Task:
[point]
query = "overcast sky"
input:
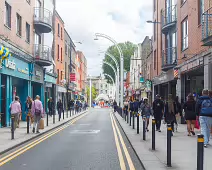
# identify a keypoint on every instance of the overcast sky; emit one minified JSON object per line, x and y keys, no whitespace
{"x":123,"y":20}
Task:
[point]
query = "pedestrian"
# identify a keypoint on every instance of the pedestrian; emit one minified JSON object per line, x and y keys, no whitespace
{"x":190,"y":115}
{"x":50,"y":106}
{"x":136,"y":107}
{"x":158,"y":111}
{"x":126,"y":107}
{"x":178,"y":111}
{"x":131,"y":107}
{"x":28,"y":108}
{"x":37,"y":112}
{"x":115,"y":106}
{"x":71,"y":103}
{"x":204,"y":110}
{"x":169,"y":112}
{"x":210,"y":95}
{"x":59,"y":108}
{"x":146,"y":112}
{"x":15,"y":110}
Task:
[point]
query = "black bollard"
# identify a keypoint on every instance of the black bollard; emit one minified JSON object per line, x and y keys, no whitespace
{"x":12,"y":126}
{"x":144,"y":128}
{"x":47,"y":119}
{"x":169,"y":136}
{"x":200,"y":152}
{"x":138,"y":123}
{"x":130,"y":118}
{"x":59,"y":116}
{"x":133,"y":119}
{"x":153,"y":134}
{"x":27,"y":123}
{"x":53,"y":118}
{"x":127,"y":117}
{"x":64,"y":114}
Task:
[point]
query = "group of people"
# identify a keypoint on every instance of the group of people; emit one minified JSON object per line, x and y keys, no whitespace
{"x":195,"y":110}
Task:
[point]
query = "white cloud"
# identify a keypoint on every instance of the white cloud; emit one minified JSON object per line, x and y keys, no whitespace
{"x":124,"y":20}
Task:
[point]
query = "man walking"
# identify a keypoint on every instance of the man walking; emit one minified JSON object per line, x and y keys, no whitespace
{"x":37,"y":112}
{"x":59,"y":108}
{"x":51,"y":106}
{"x":158,"y":110}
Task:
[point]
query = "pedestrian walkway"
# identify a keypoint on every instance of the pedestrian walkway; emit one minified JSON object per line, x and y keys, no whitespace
{"x":184,"y":148}
{"x":21,"y":132}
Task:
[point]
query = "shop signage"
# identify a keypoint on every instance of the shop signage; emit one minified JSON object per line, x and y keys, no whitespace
{"x":72,"y":77}
{"x":192,"y":65}
{"x":23,"y":71}
{"x":148,"y":85}
{"x":10,"y":64}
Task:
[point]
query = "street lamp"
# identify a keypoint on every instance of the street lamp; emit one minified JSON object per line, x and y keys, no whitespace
{"x":121,"y":62}
{"x":112,"y":81}
{"x":153,"y":22}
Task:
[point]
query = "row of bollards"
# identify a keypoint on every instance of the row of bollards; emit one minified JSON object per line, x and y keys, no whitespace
{"x":28,"y":121}
{"x":130,"y":118}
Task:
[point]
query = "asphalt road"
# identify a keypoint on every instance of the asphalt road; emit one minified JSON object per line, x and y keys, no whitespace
{"x":88,"y":144}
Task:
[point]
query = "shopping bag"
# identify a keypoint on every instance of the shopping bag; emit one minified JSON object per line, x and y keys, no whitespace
{"x":41,"y":126}
{"x":197,"y":126}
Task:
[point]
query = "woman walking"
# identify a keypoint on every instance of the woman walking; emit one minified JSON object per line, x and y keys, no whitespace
{"x":28,"y":107}
{"x":190,"y":115}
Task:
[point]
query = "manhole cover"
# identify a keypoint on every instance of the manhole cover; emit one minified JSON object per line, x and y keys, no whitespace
{"x":85,"y":131}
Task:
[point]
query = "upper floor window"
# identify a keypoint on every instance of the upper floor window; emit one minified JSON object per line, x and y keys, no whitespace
{"x":7,"y":15}
{"x":58,"y":52}
{"x":154,"y":4}
{"x":27,"y":32}
{"x":66,"y":48}
{"x":61,"y":33}
{"x":200,"y":10}
{"x":154,"y":31}
{"x":184,"y":27}
{"x":58,"y":29}
{"x":155,"y":62}
{"x":61,"y":54}
{"x":18,"y":24}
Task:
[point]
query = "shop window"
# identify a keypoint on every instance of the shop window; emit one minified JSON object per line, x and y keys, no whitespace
{"x":27,"y":32}
{"x":7,"y":15}
{"x":184,"y":27}
{"x":18,"y":24}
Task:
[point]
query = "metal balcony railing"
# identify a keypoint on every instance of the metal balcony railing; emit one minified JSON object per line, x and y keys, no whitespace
{"x":42,"y":53}
{"x":169,"y":15}
{"x":169,"y":57}
{"x":43,"y":15}
{"x":207,"y":24}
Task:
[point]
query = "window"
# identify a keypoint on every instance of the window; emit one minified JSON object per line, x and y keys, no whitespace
{"x":154,"y":3}
{"x":66,"y":46}
{"x":184,"y":27}
{"x":65,"y":69}
{"x":7,"y":15}
{"x":155,"y":60}
{"x":18,"y":24}
{"x":58,"y":29}
{"x":154,"y":31}
{"x":27,"y":32}
{"x":200,"y":10}
{"x":37,"y":39}
{"x":58,"y":52}
{"x":58,"y":76}
{"x":61,"y":73}
{"x":61,"y":33}
{"x":61,"y":54}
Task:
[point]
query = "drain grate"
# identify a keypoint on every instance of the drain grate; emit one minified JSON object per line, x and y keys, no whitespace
{"x":85,"y":131}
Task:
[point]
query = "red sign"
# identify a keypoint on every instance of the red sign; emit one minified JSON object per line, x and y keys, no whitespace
{"x":72,"y":77}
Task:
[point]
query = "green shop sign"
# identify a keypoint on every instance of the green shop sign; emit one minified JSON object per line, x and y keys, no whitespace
{"x":50,"y":79}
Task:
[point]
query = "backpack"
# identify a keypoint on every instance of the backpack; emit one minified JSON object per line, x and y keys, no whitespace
{"x":206,"y":108}
{"x":136,"y":105}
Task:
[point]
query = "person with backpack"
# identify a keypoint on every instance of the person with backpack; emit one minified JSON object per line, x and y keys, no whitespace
{"x":204,"y":111}
{"x":37,"y":112}
{"x":158,"y":110}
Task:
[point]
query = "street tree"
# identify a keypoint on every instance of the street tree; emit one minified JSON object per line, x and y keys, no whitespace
{"x":93,"y":92}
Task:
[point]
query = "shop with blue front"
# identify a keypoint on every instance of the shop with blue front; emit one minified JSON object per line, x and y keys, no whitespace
{"x":18,"y":77}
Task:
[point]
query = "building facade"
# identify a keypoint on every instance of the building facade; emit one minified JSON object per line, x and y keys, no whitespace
{"x":181,"y":47}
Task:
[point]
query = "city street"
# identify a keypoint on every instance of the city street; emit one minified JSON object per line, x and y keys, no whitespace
{"x":87,"y":142}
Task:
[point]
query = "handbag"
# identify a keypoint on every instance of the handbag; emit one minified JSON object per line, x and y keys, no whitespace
{"x":197,"y":126}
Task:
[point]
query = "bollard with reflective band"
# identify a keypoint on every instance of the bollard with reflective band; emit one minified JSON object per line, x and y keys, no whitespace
{"x":169,"y":135}
{"x":133,"y":120}
{"x":28,"y":123}
{"x":138,"y":123}
{"x":144,"y":128}
{"x":47,"y":119}
{"x":153,"y":134}
{"x":12,"y":126}
{"x":130,"y":118}
{"x":200,"y":152}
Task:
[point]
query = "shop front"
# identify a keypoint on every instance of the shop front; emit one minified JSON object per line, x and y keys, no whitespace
{"x":61,"y":94}
{"x":15,"y":81}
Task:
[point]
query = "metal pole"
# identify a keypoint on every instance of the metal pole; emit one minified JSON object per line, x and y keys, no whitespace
{"x":47,"y":119}
{"x":153,"y":134}
{"x":130,"y":117}
{"x":122,"y":80}
{"x":138,"y":123}
{"x":133,"y":123}
{"x":200,"y":152}
{"x":12,"y":126}
{"x":27,"y":123}
{"x":144,"y":127}
{"x":169,"y":134}
{"x":90,"y":93}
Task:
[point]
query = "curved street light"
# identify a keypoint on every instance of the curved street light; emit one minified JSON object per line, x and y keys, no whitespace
{"x":117,"y":94}
{"x":112,"y":81}
{"x":121,"y":62}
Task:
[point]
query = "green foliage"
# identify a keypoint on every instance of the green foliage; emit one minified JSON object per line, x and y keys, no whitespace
{"x":94,"y":92}
{"x":127,"y":49}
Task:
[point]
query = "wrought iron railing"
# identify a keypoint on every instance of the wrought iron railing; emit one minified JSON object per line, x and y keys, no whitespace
{"x":169,"y":15}
{"x":42,"y":52}
{"x":169,"y":56}
{"x":207,"y":24}
{"x":43,"y":15}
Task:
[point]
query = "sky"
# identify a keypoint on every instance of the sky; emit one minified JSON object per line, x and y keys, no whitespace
{"x":123,"y":20}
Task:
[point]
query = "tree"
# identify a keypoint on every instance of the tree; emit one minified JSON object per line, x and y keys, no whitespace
{"x":127,"y":49}
{"x":94,"y":92}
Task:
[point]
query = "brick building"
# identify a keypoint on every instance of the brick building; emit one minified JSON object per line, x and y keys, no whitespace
{"x":181,"y":40}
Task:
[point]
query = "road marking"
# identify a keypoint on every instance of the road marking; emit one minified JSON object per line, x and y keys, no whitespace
{"x":85,"y":131}
{"x":120,"y":155}
{"x":129,"y":160}
{"x":18,"y":152}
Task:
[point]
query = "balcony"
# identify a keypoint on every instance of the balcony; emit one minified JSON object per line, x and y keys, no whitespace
{"x":207,"y":27}
{"x":42,"y":20}
{"x":42,"y":55}
{"x":169,"y":58}
{"x":169,"y":19}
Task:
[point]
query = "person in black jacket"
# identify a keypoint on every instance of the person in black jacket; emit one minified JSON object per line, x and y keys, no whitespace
{"x":51,"y":106}
{"x":59,"y":108}
{"x":158,"y":110}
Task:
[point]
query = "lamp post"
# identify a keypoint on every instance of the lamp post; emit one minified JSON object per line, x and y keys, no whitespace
{"x":121,"y":63}
{"x":112,"y":81}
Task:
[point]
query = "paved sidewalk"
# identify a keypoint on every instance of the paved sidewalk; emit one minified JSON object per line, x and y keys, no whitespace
{"x":184,"y":148}
{"x":21,"y":132}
